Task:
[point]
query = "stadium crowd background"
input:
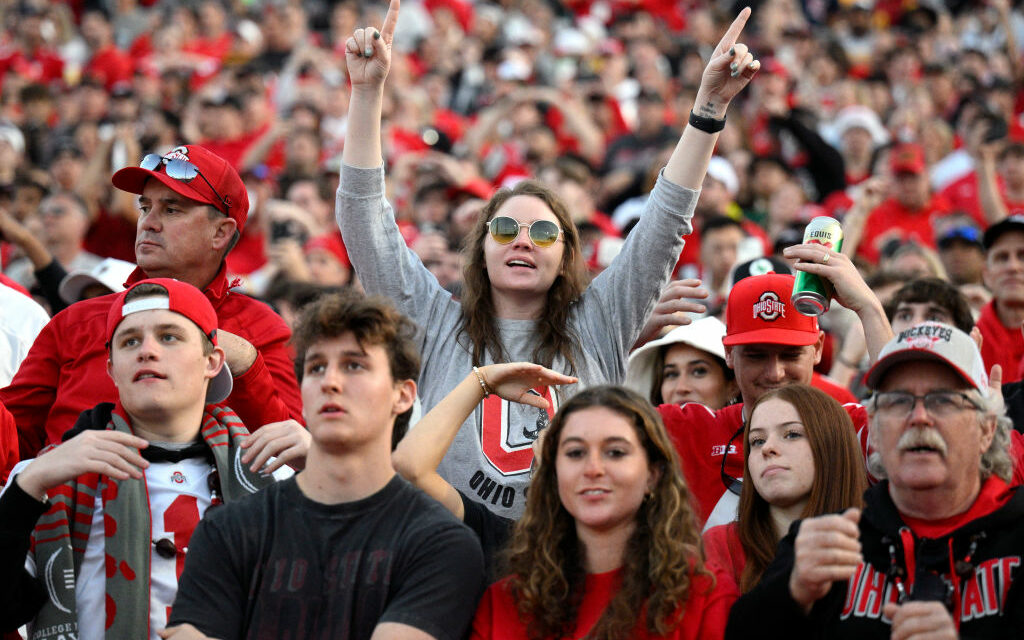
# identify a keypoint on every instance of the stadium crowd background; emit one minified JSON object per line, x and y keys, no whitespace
{"x":898,"y":118}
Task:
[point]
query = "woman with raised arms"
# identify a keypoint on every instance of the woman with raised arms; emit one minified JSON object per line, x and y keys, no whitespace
{"x":525,"y":296}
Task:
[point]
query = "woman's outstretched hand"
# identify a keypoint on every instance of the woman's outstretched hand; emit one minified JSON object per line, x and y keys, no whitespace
{"x":730,"y":69}
{"x":368,"y":51}
{"x":514,"y":380}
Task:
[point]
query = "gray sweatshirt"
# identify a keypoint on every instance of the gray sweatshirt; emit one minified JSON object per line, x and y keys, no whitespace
{"x":489,"y":460}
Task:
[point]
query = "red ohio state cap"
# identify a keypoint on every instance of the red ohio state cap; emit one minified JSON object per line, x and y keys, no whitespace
{"x":222,"y":177}
{"x":181,"y":298}
{"x":760,"y":311}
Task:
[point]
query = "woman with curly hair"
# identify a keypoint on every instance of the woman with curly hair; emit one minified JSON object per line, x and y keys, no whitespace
{"x":608,"y":547}
{"x":524,"y":296}
{"x":802,"y":460}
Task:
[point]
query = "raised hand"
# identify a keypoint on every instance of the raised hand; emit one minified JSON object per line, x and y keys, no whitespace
{"x":676,"y":301}
{"x":513,"y":381}
{"x":368,"y":51}
{"x":110,"y":453}
{"x":730,"y":69}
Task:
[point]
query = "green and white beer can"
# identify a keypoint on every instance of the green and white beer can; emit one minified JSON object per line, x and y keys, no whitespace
{"x":811,"y":293}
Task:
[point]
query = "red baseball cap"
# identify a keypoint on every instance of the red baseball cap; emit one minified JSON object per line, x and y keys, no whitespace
{"x":222,"y":181}
{"x":907,"y":158}
{"x":760,"y":311}
{"x":184,"y":299}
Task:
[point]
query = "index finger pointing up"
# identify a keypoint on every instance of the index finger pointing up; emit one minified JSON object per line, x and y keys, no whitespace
{"x":732,"y":34}
{"x":387,"y":31}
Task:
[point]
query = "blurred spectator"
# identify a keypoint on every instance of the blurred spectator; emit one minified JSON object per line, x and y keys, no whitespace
{"x":962,"y":254}
{"x":108,"y":64}
{"x":910,"y":210}
{"x":64,"y":222}
{"x":21,"y":320}
{"x":1002,"y":318}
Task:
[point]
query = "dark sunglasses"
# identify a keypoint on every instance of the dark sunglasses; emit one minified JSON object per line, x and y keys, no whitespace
{"x":504,"y":230}
{"x":165,"y":547}
{"x":181,"y":170}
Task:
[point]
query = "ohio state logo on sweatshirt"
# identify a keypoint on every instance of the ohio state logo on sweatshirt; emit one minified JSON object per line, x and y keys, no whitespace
{"x":508,"y":429}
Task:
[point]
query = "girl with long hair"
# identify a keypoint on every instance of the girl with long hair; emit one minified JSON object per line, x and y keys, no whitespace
{"x":802,"y":459}
{"x":524,"y":295}
{"x":608,"y":547}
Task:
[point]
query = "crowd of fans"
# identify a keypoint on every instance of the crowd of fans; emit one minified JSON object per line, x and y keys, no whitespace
{"x":589,"y":186}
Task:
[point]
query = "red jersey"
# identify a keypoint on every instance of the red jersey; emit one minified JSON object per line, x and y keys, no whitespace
{"x":892,"y":221}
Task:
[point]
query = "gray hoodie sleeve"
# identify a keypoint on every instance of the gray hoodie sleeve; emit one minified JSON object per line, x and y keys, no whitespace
{"x":613,"y":310}
{"x":383,"y":262}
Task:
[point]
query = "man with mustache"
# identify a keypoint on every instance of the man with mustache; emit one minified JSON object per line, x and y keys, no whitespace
{"x":938,"y":547}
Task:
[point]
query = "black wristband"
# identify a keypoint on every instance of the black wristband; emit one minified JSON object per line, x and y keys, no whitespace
{"x":707,"y":125}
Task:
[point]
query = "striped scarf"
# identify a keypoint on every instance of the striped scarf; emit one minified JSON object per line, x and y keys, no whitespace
{"x":60,"y":536}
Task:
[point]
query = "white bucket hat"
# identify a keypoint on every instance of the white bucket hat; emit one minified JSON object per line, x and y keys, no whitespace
{"x":705,"y":334}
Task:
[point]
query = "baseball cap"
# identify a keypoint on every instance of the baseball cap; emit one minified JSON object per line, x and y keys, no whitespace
{"x":705,"y":334}
{"x":932,"y":341}
{"x":760,"y":310}
{"x":1012,"y":223}
{"x":222,"y":177}
{"x":907,"y":158}
{"x":111,"y":273}
{"x":758,"y":267}
{"x":184,"y":299}
{"x":722,"y":170}
{"x":963,"y":233}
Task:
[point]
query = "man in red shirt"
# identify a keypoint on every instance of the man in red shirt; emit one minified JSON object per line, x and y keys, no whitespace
{"x":193,"y":206}
{"x":1000,"y":320}
{"x":768,"y":344}
{"x":910,"y":212}
{"x":108,"y":64}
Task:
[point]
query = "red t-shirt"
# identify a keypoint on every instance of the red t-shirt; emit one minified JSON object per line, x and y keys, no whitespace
{"x":1000,"y":344}
{"x":704,"y":618}
{"x":110,"y":65}
{"x":962,"y":194}
{"x":891,"y":220}
{"x":722,"y":548}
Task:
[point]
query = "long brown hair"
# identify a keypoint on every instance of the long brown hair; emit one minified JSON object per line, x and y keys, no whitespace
{"x":840,"y":478}
{"x":555,"y":336}
{"x":545,"y":557}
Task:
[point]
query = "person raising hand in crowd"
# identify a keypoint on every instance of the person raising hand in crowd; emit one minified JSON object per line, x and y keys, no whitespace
{"x":524,"y":295}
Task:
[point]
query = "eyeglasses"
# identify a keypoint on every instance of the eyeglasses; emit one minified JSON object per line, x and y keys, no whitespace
{"x":165,"y":547}
{"x":504,"y":230}
{"x":181,"y":170}
{"x":898,"y":405}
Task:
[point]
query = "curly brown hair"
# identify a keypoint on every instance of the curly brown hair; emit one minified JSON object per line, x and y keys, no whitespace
{"x":555,"y":336}
{"x":840,"y":477}
{"x":545,"y":556}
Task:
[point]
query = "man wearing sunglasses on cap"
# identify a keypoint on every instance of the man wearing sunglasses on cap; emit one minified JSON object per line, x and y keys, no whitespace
{"x":193,"y":206}
{"x":105,"y":518}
